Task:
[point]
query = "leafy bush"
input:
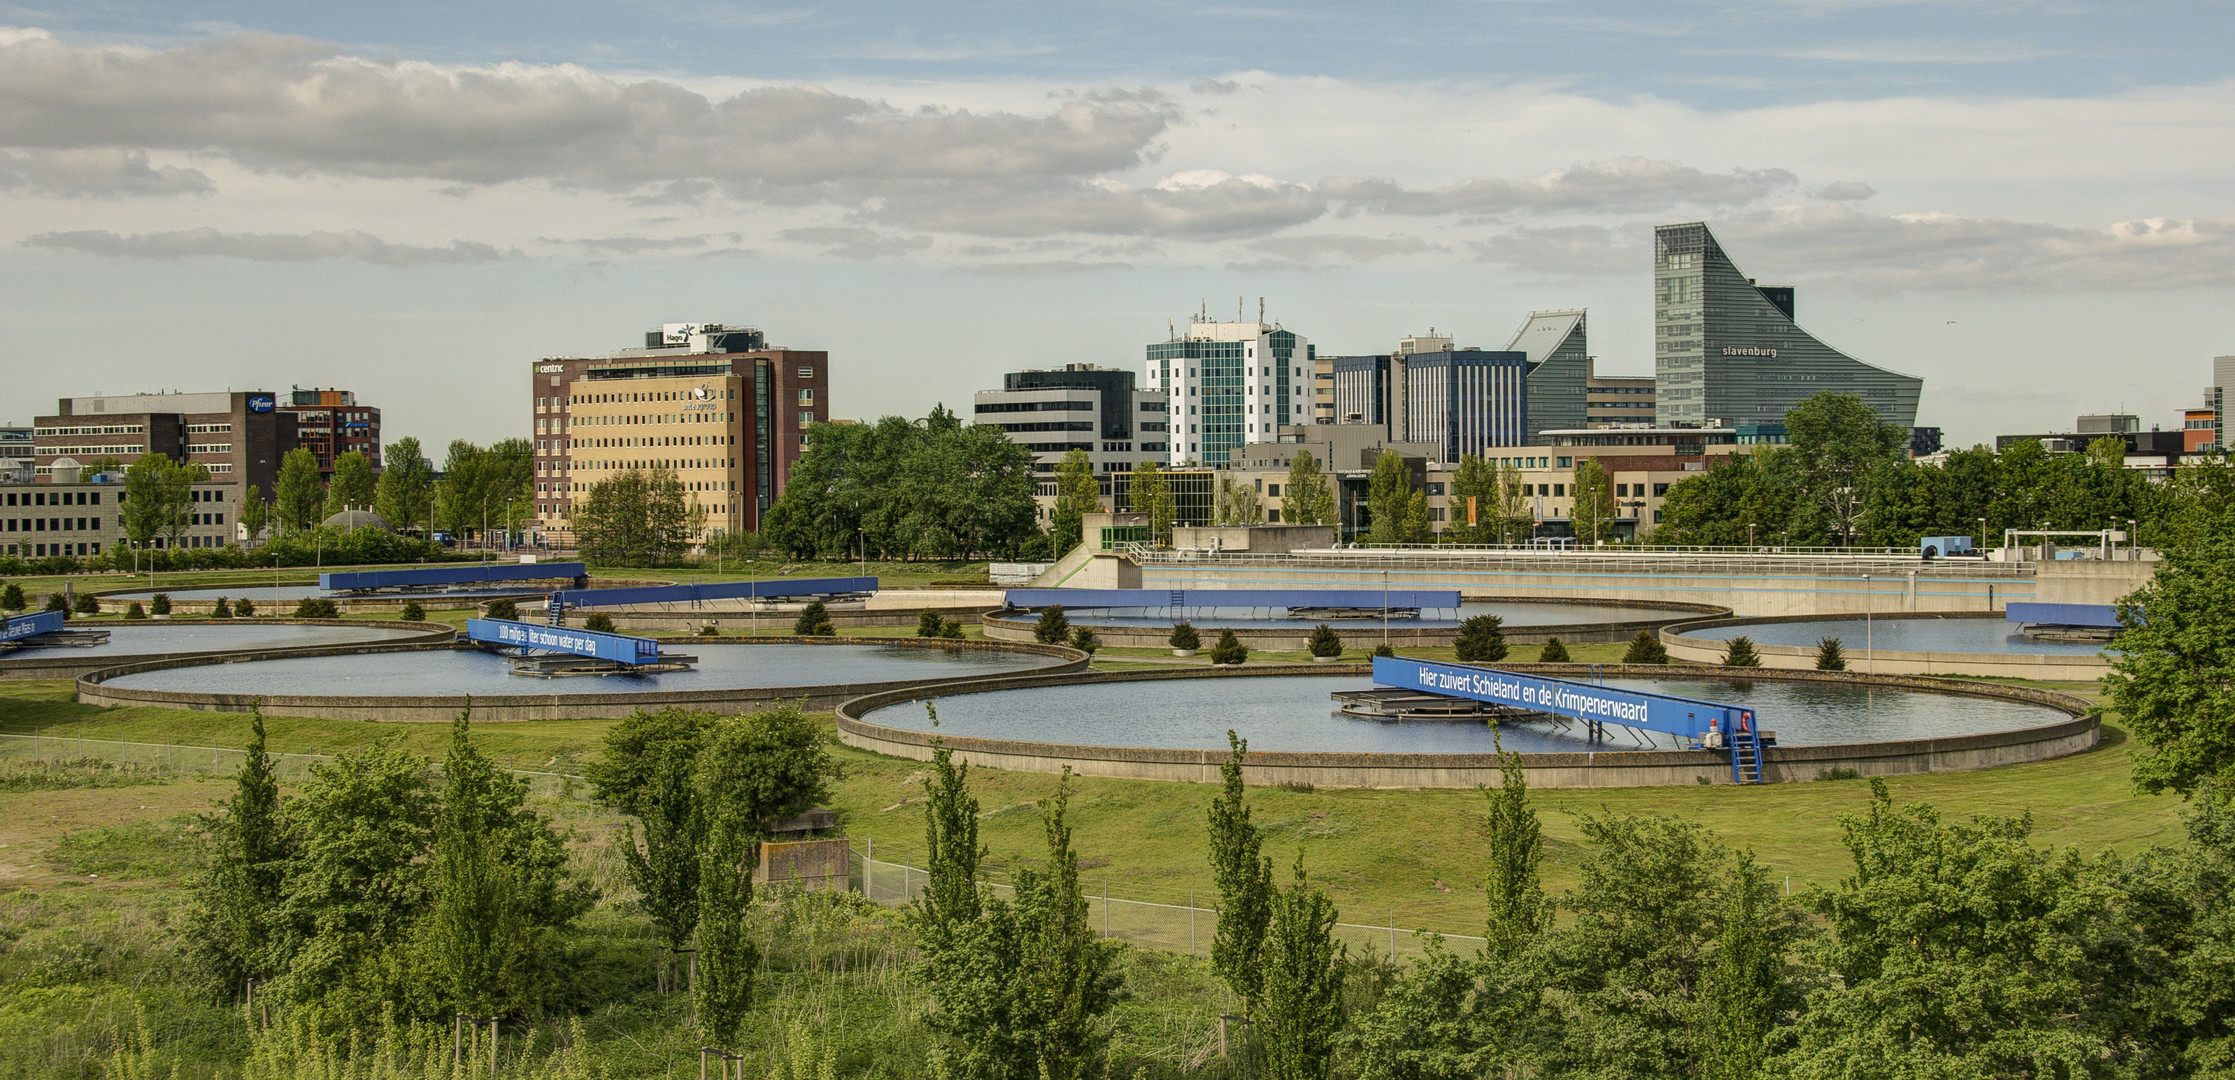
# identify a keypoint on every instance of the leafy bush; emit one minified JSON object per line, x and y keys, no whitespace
{"x":599,"y":621}
{"x":1740,"y":653}
{"x":1837,"y":774}
{"x":814,"y":621}
{"x":1645,"y":648}
{"x":221,"y":610}
{"x":929,"y":622}
{"x":1325,"y":642}
{"x":1229,"y":649}
{"x":59,"y":602}
{"x":952,"y":628}
{"x":1481,"y":639}
{"x":1554,"y":652}
{"x":11,"y":598}
{"x":1185,"y":637}
{"x":135,"y":611}
{"x":503,"y":607}
{"x":161,"y":605}
{"x":1053,"y":628}
{"x":412,"y":612}
{"x":244,"y":608}
{"x":1830,"y":656}
{"x":53,"y":774}
{"x":1384,"y":649}
{"x":87,"y":604}
{"x":1082,"y":639}
{"x":318,"y":608}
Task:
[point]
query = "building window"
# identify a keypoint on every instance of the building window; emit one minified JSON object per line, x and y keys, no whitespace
{"x":1559,"y":491}
{"x":807,"y":418}
{"x":807,"y":396}
{"x":1658,"y":491}
{"x":807,"y":373}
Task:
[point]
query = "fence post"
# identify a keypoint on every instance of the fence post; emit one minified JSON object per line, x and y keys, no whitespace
{"x":869,"y":867}
{"x":1392,"y":935}
{"x":1105,"y":905}
{"x":492,"y":1046}
{"x":1191,"y":923}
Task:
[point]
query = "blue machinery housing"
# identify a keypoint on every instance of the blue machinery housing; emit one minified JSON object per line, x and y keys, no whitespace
{"x":428,"y":577}
{"x":824,"y":588}
{"x":24,"y":626}
{"x":2101,"y":616}
{"x":618,"y":648}
{"x":1682,"y":717}
{"x":1178,"y":601}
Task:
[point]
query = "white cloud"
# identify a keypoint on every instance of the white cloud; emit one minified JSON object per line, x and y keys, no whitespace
{"x":1196,"y":204}
{"x":1951,"y":252}
{"x":849,"y":242}
{"x":1340,"y":245}
{"x":1846,"y":191}
{"x":97,"y":172}
{"x":1626,"y":185}
{"x":1570,"y":250}
{"x":1047,"y":268}
{"x":263,"y":247}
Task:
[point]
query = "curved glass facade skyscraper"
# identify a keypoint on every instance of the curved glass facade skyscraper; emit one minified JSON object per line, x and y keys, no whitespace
{"x":1727,"y":352}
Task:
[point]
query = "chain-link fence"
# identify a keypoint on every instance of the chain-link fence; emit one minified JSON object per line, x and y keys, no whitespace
{"x":1158,"y":917}
{"x":39,"y":750}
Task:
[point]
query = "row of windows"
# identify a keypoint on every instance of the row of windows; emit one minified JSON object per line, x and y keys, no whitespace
{"x":43,"y":550}
{"x":209,"y":429}
{"x":1036,"y":406}
{"x":110,"y":429}
{"x":56,"y":498}
{"x":119,"y":449}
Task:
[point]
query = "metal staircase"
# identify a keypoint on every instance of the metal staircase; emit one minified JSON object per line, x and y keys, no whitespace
{"x":1746,"y":755}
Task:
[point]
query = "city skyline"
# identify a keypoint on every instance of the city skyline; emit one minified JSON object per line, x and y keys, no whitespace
{"x":2024,"y":207}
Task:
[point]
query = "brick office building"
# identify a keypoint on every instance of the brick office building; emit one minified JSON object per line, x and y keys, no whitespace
{"x":330,"y":423}
{"x":239,"y":436}
{"x":714,"y":403}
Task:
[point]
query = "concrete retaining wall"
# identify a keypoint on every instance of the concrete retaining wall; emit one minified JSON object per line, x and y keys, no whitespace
{"x":1622,"y":768}
{"x":70,"y":663}
{"x":1359,"y":634}
{"x":436,"y":708}
{"x":2044,"y":667}
{"x":776,"y":621}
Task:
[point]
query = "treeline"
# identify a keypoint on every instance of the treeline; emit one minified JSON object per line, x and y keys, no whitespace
{"x":318,"y":547}
{"x":1845,"y":479}
{"x":935,"y":488}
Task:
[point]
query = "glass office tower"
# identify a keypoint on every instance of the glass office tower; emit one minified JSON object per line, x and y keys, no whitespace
{"x":1727,"y":352}
{"x":1230,"y":383}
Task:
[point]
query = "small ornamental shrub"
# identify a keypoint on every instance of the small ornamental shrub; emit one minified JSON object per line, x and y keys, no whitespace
{"x":929,"y":622}
{"x":502,"y":608}
{"x":952,"y":628}
{"x":246,"y":610}
{"x":1646,"y":649}
{"x":599,"y":621}
{"x":87,"y":604}
{"x":1830,"y":656}
{"x":1554,"y":652}
{"x":1325,"y":642}
{"x":1053,"y":628}
{"x":11,"y":598}
{"x":222,"y":610}
{"x":1082,"y":639}
{"x":1229,"y":649}
{"x":1185,"y":637}
{"x":1740,"y":653}
{"x":313,"y":607}
{"x":1481,"y":640}
{"x":135,"y":611}
{"x":412,"y":612}
{"x":814,"y":621}
{"x":1384,"y":649}
{"x":59,"y":602}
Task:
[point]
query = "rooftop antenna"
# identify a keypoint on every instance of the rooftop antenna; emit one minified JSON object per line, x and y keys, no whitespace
{"x":1260,"y":311}
{"x":1238,"y":302}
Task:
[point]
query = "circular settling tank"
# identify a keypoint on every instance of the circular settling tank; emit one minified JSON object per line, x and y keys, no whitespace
{"x":1295,"y":714}
{"x":1899,"y":634}
{"x":132,"y":639}
{"x":452,"y":672}
{"x":1513,"y":614}
{"x":264,"y":594}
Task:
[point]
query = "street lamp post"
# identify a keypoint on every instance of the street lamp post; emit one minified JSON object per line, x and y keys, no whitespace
{"x":1870,"y":641}
{"x":1385,"y":605}
{"x":1750,"y":535}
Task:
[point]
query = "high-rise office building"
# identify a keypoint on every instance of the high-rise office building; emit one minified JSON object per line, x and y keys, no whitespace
{"x":714,"y":403}
{"x":1558,"y":349}
{"x":2222,"y":388}
{"x":1464,"y":401}
{"x":1727,"y":351}
{"x":238,"y":436}
{"x":1230,"y":383}
{"x":1096,"y":410}
{"x":1362,"y":389}
{"x":330,"y":423}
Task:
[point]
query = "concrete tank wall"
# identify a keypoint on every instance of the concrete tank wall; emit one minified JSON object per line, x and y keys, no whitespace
{"x":2043,"y":667}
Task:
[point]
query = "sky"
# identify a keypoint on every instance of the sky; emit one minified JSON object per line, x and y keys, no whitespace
{"x":2029,"y":204}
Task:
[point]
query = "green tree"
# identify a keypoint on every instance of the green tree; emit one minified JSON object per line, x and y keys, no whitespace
{"x":354,"y":486}
{"x":1481,"y":640}
{"x":405,"y":492}
{"x":256,"y":514}
{"x":240,"y":887}
{"x":1148,"y":493}
{"x":1325,"y":641}
{"x":1837,"y":442}
{"x":158,"y":500}
{"x":1747,"y":990}
{"x":1070,"y":978}
{"x":1076,"y":495}
{"x":1053,"y":627}
{"x":1399,"y":513}
{"x":1518,"y":910}
{"x":648,"y":772}
{"x":1739,"y":499}
{"x":1553,"y":652}
{"x":1229,"y":648}
{"x":1303,"y":983}
{"x":458,"y":498}
{"x":1306,"y":498}
{"x":1645,"y":648}
{"x":1739,"y":652}
{"x":1475,"y":479}
{"x":356,"y":882}
{"x":2173,"y":677}
{"x":1830,"y":655}
{"x":1235,"y":503}
{"x":1244,"y":879}
{"x":1593,"y":494}
{"x":633,"y":518}
{"x":509,"y":472}
{"x":1515,"y":517}
{"x":298,"y":496}
{"x":814,"y":621}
